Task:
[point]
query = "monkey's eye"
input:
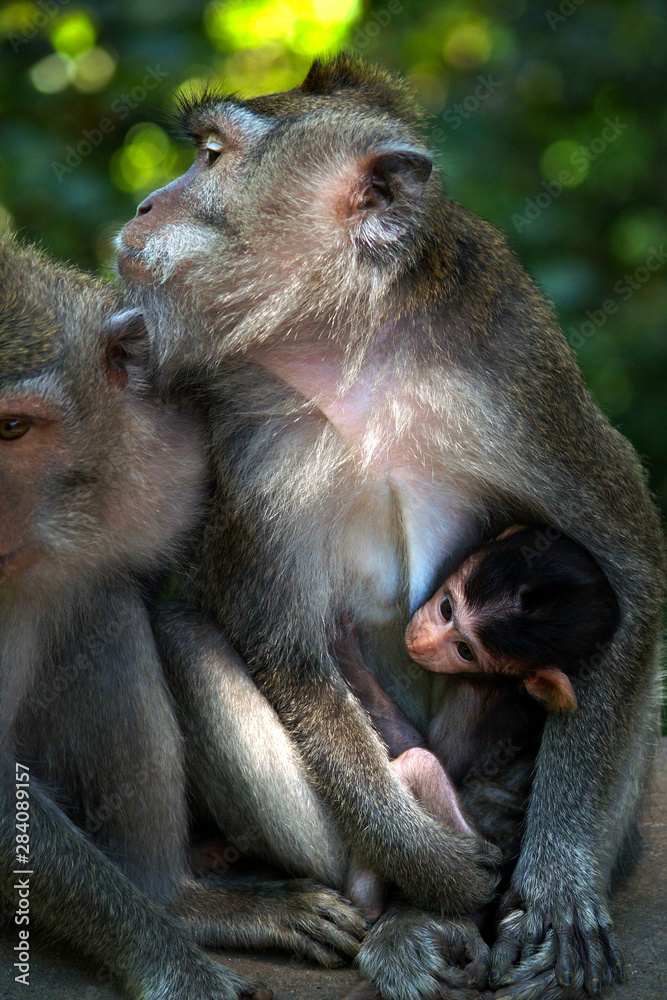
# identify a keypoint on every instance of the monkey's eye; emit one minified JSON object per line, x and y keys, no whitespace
{"x":12,"y":428}
{"x":212,"y":149}
{"x":446,"y":609}
{"x":464,"y":651}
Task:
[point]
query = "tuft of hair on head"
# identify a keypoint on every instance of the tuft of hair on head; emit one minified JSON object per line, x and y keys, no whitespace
{"x":553,"y":609}
{"x":348,"y":74}
{"x":194,"y":111}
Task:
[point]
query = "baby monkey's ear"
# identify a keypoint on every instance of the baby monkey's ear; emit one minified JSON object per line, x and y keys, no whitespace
{"x":553,"y":687}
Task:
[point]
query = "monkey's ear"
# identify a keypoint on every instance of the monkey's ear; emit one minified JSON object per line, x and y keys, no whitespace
{"x":553,"y":687}
{"x":385,"y":194}
{"x":126,"y":343}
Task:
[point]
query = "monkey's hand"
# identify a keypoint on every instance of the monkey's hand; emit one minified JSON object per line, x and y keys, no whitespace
{"x":554,"y":946}
{"x":415,"y":956}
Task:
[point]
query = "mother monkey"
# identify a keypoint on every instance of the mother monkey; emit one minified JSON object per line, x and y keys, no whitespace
{"x":386,"y":387}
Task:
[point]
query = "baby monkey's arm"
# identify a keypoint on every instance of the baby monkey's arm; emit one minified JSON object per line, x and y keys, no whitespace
{"x":396,"y":731}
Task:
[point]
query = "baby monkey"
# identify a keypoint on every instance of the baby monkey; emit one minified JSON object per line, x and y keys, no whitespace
{"x":509,"y":617}
{"x":509,"y":610}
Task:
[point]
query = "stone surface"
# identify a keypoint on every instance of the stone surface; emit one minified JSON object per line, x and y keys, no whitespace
{"x":639,"y":911}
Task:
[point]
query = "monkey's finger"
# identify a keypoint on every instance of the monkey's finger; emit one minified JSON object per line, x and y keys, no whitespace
{"x":542,"y":960}
{"x":534,"y":932}
{"x":303,"y":943}
{"x":337,"y":910}
{"x":507,"y":947}
{"x":609,"y":954}
{"x":613,"y":955}
{"x":226,"y":984}
{"x":565,"y":962}
{"x":463,"y":945}
{"x":593,"y":963}
{"x":542,"y":987}
{"x":479,"y":958}
{"x":327,"y":934}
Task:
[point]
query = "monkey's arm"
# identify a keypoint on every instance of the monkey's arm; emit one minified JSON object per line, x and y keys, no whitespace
{"x":79,"y":896}
{"x":396,"y":731}
{"x":438,"y":869}
{"x":582,"y":477}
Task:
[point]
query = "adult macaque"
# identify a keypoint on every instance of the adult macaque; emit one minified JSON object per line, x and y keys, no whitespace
{"x":385,"y":388}
{"x":98,"y":482}
{"x":508,"y":618}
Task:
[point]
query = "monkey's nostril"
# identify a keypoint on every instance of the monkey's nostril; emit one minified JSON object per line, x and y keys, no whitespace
{"x":144,"y":207}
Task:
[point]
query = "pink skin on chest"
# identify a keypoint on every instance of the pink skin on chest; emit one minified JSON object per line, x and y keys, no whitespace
{"x":392,"y":435}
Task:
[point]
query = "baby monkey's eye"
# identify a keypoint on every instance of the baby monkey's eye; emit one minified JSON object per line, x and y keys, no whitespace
{"x":212,"y":148}
{"x":12,"y":428}
{"x":446,"y":609}
{"x":464,"y":651}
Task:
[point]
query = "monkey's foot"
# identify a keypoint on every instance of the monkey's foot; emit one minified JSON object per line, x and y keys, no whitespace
{"x":411,"y":955}
{"x":197,"y":976}
{"x":297,"y":916}
{"x":556,"y":948}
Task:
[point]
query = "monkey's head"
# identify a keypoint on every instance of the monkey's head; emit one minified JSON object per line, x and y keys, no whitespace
{"x":511,"y":610}
{"x":75,"y":434}
{"x":289,"y":191}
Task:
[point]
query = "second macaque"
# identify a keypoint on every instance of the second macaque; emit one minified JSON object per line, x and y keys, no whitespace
{"x":517,"y":623}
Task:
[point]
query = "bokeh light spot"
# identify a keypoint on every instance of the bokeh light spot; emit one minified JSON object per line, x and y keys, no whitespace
{"x":564,"y":162}
{"x":305,"y":26}
{"x":632,"y":235}
{"x":17,"y":18}
{"x":94,"y":70}
{"x":73,"y":34}
{"x":469,"y":45}
{"x":146,"y":159}
{"x":51,"y":74}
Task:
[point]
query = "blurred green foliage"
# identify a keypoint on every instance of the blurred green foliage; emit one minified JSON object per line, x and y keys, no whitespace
{"x":549,"y":118}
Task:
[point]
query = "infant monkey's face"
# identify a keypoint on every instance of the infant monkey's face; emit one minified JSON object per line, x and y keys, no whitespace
{"x":441,"y":634}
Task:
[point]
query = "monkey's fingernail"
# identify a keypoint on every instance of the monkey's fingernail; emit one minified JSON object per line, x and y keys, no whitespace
{"x":619,"y":971}
{"x":566,"y":978}
{"x":595,"y":985}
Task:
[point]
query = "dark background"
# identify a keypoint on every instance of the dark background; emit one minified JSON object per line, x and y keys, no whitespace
{"x":550,"y":119}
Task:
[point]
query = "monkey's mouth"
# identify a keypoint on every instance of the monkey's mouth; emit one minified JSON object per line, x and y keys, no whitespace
{"x":131,"y":264}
